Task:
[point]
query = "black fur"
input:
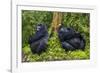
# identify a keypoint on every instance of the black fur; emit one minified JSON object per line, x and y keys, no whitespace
{"x":70,"y":39}
{"x":38,"y":42}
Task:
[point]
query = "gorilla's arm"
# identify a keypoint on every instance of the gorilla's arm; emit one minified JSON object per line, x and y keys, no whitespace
{"x":39,"y":35}
{"x":39,"y":46}
{"x":67,"y":46}
{"x":82,"y":44}
{"x":66,"y":33}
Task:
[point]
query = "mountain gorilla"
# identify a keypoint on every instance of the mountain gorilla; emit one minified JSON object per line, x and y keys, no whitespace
{"x":38,"y":42}
{"x":70,"y":39}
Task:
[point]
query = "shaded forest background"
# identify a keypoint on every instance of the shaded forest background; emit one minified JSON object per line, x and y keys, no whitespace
{"x":79,"y":21}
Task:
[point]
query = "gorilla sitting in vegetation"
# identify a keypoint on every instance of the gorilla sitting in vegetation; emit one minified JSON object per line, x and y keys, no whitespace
{"x":38,"y":42}
{"x":70,"y":39}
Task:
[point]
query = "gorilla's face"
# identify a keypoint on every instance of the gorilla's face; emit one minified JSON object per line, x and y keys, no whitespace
{"x":63,"y":29}
{"x":39,"y":27}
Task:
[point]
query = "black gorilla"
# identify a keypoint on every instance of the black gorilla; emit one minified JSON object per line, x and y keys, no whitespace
{"x":70,"y":39}
{"x":38,"y":42}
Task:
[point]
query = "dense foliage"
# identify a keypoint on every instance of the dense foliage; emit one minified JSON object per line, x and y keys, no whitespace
{"x":78,"y":21}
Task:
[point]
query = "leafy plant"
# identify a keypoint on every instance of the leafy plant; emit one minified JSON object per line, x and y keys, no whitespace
{"x":78,"y":21}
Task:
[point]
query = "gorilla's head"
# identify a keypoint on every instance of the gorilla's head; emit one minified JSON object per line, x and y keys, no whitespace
{"x":62,"y":28}
{"x":67,"y":31}
{"x":40,"y":27}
